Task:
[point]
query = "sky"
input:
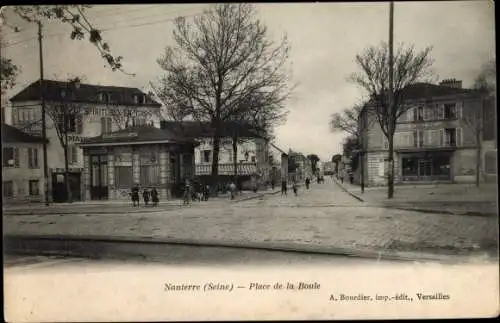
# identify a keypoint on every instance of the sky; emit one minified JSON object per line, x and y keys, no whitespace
{"x":324,"y":38}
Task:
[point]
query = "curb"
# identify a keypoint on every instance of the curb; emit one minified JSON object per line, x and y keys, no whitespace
{"x":417,"y":209}
{"x":64,"y":244}
{"x":438,"y":211}
{"x":348,"y":192}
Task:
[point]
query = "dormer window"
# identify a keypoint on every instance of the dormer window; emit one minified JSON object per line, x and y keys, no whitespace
{"x":100,"y":97}
{"x":139,"y":99}
{"x":136,"y":99}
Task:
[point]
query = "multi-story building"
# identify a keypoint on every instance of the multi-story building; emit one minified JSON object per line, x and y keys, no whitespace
{"x":92,"y":111}
{"x":433,"y":140}
{"x":252,"y":151}
{"x":22,"y":166}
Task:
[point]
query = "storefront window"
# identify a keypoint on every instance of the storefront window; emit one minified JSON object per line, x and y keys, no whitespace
{"x":410,"y":166}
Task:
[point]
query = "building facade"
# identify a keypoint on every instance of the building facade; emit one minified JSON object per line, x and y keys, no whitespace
{"x":434,"y":140}
{"x":141,"y":156}
{"x":253,"y":162}
{"x":22,"y":166}
{"x":91,"y":110}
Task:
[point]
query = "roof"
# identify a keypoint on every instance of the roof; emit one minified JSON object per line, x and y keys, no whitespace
{"x":11,"y":134}
{"x":88,"y":93}
{"x":138,"y":134}
{"x":428,"y":90}
{"x":195,"y":129}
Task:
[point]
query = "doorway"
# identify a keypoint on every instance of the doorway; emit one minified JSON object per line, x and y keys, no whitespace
{"x":99,"y":177}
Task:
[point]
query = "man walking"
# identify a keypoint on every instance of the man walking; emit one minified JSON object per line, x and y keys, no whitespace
{"x":283,"y":187}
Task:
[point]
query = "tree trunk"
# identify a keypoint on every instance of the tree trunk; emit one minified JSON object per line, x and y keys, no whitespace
{"x":390,"y":177}
{"x":66,"y":166}
{"x":215,"y":164}
{"x":478,"y":157}
{"x":66,"y":175}
{"x":362,"y":172}
{"x":235,"y":160}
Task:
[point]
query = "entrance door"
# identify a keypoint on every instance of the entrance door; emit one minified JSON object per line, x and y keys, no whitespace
{"x":59,"y":193}
{"x":424,"y":168}
{"x":99,"y":177}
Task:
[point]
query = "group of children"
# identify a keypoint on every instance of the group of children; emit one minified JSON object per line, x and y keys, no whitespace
{"x":146,"y":195}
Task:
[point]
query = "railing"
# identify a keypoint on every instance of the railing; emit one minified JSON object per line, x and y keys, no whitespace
{"x":227,"y":169}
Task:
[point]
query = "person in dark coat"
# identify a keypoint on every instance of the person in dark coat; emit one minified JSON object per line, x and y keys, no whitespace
{"x":308,"y":181}
{"x":135,"y":196}
{"x":295,"y":188}
{"x":154,"y":197}
{"x":283,"y":187}
{"x":145,"y":196}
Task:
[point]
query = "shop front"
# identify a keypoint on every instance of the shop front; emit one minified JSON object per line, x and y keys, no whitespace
{"x":144,"y":156}
{"x":426,"y":166}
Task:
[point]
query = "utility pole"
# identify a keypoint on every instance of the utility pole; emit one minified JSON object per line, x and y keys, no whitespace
{"x":392,"y":107}
{"x":44,"y":125}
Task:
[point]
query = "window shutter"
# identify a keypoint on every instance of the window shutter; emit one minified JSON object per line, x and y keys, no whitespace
{"x":68,"y":149}
{"x":441,"y":137}
{"x":458,"y":137}
{"x":441,"y":111}
{"x":35,"y":157}
{"x":103,"y":125}
{"x":16,"y":157}
{"x":381,"y":168}
{"x":109,"y":125}
{"x":30,"y":158}
{"x":460,"y":105}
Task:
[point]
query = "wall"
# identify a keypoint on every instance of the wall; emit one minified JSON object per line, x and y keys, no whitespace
{"x":23,"y":174}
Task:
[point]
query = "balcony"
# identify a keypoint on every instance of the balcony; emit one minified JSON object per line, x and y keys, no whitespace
{"x":227,"y":169}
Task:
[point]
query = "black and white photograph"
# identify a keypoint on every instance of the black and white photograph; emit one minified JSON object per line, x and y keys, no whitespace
{"x":249,"y":161}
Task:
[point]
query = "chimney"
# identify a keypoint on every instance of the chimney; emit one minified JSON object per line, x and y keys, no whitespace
{"x":451,"y":83}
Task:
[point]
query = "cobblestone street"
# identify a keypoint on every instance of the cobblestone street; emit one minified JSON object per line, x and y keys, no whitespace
{"x":324,"y":218}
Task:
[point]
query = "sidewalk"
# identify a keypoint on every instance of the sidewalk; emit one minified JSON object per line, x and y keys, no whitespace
{"x":124,"y":206}
{"x":463,"y":199}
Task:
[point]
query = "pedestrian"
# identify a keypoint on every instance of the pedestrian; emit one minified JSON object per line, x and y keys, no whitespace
{"x":154,"y":197}
{"x":232,"y":190}
{"x":206,"y":192}
{"x":283,"y":187}
{"x":135,"y":196}
{"x":272,"y":184}
{"x":351,"y":177}
{"x":187,"y":192}
{"x":308,"y":181}
{"x":295,"y":188}
{"x":145,"y":196}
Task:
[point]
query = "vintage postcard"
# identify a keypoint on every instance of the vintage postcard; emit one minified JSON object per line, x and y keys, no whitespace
{"x":249,"y":161}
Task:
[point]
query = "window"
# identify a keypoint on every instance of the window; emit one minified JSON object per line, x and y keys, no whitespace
{"x":106,"y":125}
{"x":34,"y":187}
{"x":246,"y":156}
{"x":10,"y":156}
{"x":450,"y":137}
{"x":8,"y":188}
{"x":33,"y":158}
{"x":123,"y":176}
{"x":207,"y":154}
{"x":409,"y":166}
{"x":490,"y":162}
{"x":72,"y":154}
{"x":20,"y":115}
{"x":420,"y":136}
{"x":100,"y":97}
{"x":150,"y":175}
{"x":253,"y":159}
{"x":420,"y":113}
{"x":430,"y":112}
{"x":450,"y":111}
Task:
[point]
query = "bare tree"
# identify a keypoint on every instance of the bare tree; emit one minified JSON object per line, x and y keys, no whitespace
{"x":410,"y":66}
{"x":66,"y":118}
{"x":220,"y":61}
{"x":355,"y":122}
{"x":476,"y":119}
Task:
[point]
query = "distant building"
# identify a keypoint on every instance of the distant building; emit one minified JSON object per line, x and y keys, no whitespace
{"x":252,"y":160}
{"x":432,"y":142}
{"x":102,"y":109}
{"x":22,"y":166}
